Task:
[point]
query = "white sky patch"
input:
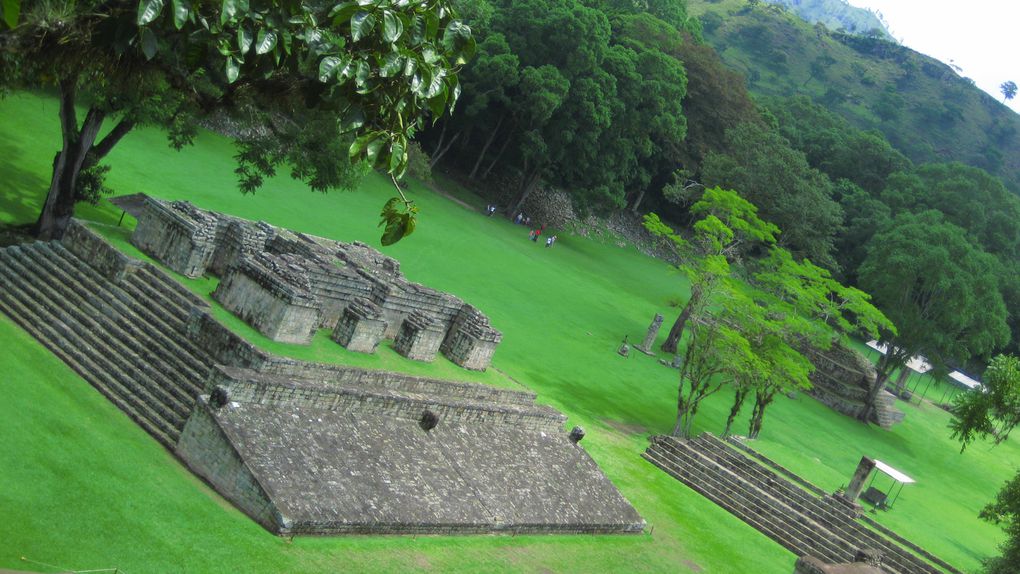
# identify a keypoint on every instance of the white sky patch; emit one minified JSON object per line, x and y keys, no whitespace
{"x":979,"y":36}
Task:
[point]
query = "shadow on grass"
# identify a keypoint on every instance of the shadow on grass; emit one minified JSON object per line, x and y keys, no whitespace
{"x":21,"y":191}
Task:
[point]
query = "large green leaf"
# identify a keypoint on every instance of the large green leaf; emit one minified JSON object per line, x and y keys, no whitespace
{"x":390,"y":65}
{"x":182,"y":9}
{"x":12,"y":12}
{"x":149,"y":43}
{"x":392,"y":27}
{"x":266,"y":41}
{"x":244,"y":39}
{"x":233,"y":69}
{"x":327,"y":67}
{"x":229,"y":11}
{"x":341,"y":13}
{"x":457,"y":39}
{"x":148,"y":10}
{"x":352,"y":119}
{"x":362,"y":24}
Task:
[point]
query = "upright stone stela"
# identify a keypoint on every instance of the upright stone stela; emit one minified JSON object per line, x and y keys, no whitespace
{"x":653,"y":332}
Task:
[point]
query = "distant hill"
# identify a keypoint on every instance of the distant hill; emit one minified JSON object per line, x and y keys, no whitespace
{"x":921,"y":105}
{"x":839,"y":15}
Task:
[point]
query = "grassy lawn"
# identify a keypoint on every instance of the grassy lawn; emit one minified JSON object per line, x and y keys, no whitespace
{"x":83,"y":487}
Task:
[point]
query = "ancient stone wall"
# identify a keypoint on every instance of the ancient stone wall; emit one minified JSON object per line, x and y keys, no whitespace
{"x":419,"y":338}
{"x":95,"y":251}
{"x":353,"y":376}
{"x":222,"y":344}
{"x":256,"y":388}
{"x":209,"y":453}
{"x":361,"y":327}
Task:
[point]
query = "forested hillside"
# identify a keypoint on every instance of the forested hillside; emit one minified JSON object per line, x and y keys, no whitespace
{"x":847,"y":140}
{"x":924,"y":108}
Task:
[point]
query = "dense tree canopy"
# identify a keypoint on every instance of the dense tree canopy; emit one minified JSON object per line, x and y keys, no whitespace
{"x":374,"y":70}
{"x":938,"y":287}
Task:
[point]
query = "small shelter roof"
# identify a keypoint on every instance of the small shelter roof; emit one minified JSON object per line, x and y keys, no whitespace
{"x":964,"y":380}
{"x":917,"y":363}
{"x":896,"y":475}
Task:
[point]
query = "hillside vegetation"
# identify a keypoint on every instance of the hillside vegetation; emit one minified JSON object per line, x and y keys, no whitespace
{"x":924,"y":108}
{"x":838,"y":15}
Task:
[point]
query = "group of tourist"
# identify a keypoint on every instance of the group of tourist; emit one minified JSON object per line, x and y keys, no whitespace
{"x":536,"y":233}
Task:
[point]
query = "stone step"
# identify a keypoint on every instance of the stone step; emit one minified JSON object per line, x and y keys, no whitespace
{"x":166,"y":359}
{"x":774,"y":529}
{"x":161,"y":292}
{"x":77,"y":354}
{"x":723,"y":484}
{"x":381,"y":380}
{"x":169,"y":333}
{"x":837,"y":519}
{"x":806,"y":531}
{"x":131,"y":356}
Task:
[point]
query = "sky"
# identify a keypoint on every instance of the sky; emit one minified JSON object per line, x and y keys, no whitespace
{"x":979,"y":36}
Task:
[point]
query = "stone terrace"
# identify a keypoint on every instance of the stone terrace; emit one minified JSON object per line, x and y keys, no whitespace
{"x":784,"y":507}
{"x":303,"y":447}
{"x":486,"y":466}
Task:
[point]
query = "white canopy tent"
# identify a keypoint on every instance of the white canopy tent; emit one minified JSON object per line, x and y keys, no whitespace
{"x":877,"y":497}
{"x":964,"y":380}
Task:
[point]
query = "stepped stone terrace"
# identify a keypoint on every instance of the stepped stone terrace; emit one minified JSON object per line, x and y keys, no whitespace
{"x":828,"y":532}
{"x":287,"y":285}
{"x":302,"y":448}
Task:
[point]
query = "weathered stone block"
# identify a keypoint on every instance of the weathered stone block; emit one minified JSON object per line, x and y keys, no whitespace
{"x":420,"y":337}
{"x":361,"y":327}
{"x":178,"y":234}
{"x":271,"y":293}
{"x":471,"y":341}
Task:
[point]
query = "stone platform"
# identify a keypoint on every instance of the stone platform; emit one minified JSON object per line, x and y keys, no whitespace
{"x":303,"y":448}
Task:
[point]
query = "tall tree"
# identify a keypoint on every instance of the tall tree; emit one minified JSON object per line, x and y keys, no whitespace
{"x":726,"y":226}
{"x":1008,"y":90}
{"x":377,"y":69}
{"x":938,"y":288}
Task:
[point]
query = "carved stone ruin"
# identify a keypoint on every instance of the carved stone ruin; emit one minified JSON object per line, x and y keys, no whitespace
{"x":361,"y":327}
{"x":272,"y":294}
{"x":420,"y":338}
{"x":471,"y":341}
{"x":279,"y":281}
{"x":866,"y":561}
{"x":841,"y":381}
{"x":653,"y":332}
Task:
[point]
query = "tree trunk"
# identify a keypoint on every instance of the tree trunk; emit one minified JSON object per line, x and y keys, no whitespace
{"x":901,"y":380}
{"x":485,"y":148}
{"x":738,"y":403}
{"x":527,"y":186}
{"x":637,"y":202}
{"x":761,"y":402}
{"x":677,"y":330}
{"x":77,"y":143}
{"x":499,"y":154}
{"x":442,"y":151}
{"x":884,"y":366}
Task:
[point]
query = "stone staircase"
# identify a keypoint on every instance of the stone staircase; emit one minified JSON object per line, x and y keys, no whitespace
{"x":124,"y":336}
{"x":795,"y":514}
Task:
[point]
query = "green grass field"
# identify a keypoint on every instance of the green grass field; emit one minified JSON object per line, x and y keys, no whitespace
{"x":83,"y":487}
